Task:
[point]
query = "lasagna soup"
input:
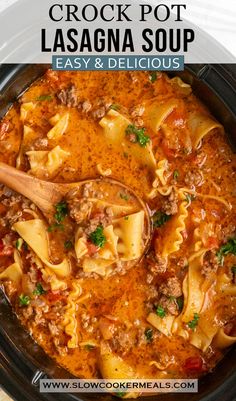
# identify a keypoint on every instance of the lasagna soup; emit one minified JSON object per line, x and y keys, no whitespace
{"x":135,"y":276}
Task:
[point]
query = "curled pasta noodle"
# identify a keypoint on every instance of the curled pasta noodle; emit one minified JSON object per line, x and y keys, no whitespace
{"x":164,"y":325}
{"x":60,"y":126}
{"x":194,"y":280}
{"x":224,"y":284}
{"x":46,"y":161}
{"x":69,"y":321}
{"x":129,"y":230}
{"x":12,"y":273}
{"x":35,"y":235}
{"x":114,"y":126}
{"x":213,"y":197}
{"x":181,"y":86}
{"x":173,"y":229}
{"x":25,"y":109}
{"x":101,"y":171}
{"x":223,"y":340}
{"x":157,"y":112}
{"x":200,"y":125}
{"x":160,"y":173}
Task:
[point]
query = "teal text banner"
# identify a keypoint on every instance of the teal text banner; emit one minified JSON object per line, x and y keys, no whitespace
{"x":117,"y":63}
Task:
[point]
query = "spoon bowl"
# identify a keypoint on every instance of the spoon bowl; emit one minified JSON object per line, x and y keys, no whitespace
{"x":45,"y":195}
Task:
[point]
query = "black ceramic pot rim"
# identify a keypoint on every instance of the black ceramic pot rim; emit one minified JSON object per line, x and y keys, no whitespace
{"x":19,"y":368}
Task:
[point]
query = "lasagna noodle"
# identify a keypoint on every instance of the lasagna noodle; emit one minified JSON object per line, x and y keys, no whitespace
{"x":46,"y":161}
{"x":70,"y":321}
{"x":200,"y":125}
{"x":114,"y":126}
{"x":172,"y":238}
{"x":12,"y":273}
{"x":129,"y":230}
{"x":60,"y":126}
{"x":35,"y":235}
{"x":157,"y":112}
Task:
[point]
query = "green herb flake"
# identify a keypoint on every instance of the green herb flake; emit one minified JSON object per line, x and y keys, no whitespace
{"x":89,"y":347}
{"x":68,"y":244}
{"x":193,"y":323}
{"x":44,"y":98}
{"x":120,"y":394}
{"x":180,"y":303}
{"x":160,"y":311}
{"x":126,"y":218}
{"x":148,"y":334}
{"x":19,"y":243}
{"x":61,"y":211}
{"x":226,"y":249}
{"x":126,"y":155}
{"x":139,"y":135}
{"x":124,"y":196}
{"x":39,"y":290}
{"x":24,"y":300}
{"x":189,"y":197}
{"x":114,"y":107}
{"x":160,"y":218}
{"x":153,"y":76}
{"x":55,"y":226}
{"x":97,"y":237}
{"x":176,"y":174}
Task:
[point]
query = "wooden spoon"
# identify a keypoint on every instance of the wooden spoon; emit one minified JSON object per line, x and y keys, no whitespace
{"x":45,"y":194}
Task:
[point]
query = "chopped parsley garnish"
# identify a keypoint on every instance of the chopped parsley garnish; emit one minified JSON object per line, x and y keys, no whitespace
{"x":97,"y":237}
{"x":176,"y":174}
{"x":153,"y":76}
{"x":19,"y":243}
{"x":42,"y":98}
{"x":193,"y":323}
{"x":114,"y":107}
{"x":189,"y":197}
{"x":126,"y":155}
{"x":124,"y":196}
{"x":148,"y":334}
{"x":120,"y":394}
{"x":160,"y":311}
{"x":24,"y":300}
{"x":126,"y":218}
{"x":68,"y":244}
{"x":89,"y":347}
{"x":159,"y":218}
{"x":137,"y":135}
{"x":226,"y":249}
{"x":61,"y":211}
{"x":55,"y":226}
{"x":180,"y":303}
{"x":39,"y":290}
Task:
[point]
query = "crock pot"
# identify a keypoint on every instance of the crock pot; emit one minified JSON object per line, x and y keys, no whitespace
{"x":22,"y":362}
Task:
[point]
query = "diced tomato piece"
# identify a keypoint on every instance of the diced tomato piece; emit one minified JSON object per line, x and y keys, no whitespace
{"x":4,"y":128}
{"x":1,"y":245}
{"x":184,"y":234}
{"x":92,"y":249}
{"x":194,"y":364}
{"x":230,"y":329}
{"x":177,"y":118}
{"x":53,"y":297}
{"x":211,"y":243}
{"x":170,"y":153}
{"x":6,"y":250}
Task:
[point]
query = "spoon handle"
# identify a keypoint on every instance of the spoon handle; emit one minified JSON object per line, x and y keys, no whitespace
{"x":42,"y":193}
